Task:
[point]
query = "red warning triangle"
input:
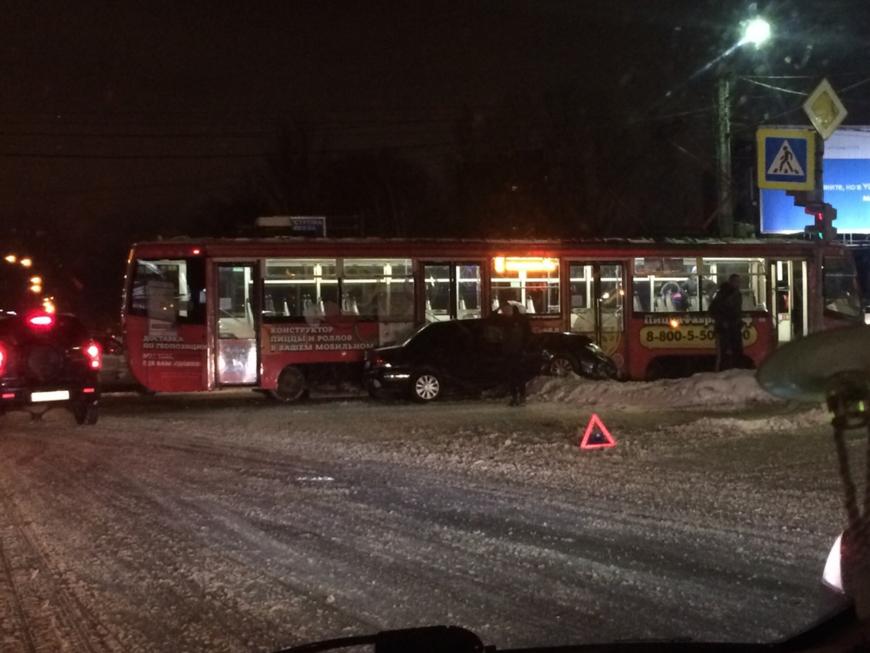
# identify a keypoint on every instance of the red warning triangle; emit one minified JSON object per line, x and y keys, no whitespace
{"x":596,"y":435}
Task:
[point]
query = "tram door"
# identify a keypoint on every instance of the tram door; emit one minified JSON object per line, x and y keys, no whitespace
{"x":236,"y":327}
{"x":597,"y":304}
{"x":789,"y":299}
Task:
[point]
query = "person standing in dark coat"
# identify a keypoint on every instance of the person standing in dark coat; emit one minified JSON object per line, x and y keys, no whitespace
{"x":726,"y":309}
{"x":518,"y":335}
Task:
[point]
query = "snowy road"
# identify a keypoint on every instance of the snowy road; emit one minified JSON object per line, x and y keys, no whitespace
{"x":213,"y":523}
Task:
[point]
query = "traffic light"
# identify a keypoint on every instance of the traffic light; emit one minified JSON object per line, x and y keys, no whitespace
{"x":815,"y":230}
{"x":822,"y":227}
{"x":830,"y":232}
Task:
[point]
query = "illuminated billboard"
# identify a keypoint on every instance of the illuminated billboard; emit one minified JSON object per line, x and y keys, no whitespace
{"x":846,"y":170}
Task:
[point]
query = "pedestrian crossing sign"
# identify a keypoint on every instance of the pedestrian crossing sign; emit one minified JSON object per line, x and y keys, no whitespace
{"x":786,"y":158}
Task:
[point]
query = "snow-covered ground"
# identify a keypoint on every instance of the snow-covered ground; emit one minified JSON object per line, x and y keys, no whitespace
{"x":204,"y":522}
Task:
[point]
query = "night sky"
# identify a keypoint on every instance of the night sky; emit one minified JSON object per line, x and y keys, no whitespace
{"x":128,"y":120}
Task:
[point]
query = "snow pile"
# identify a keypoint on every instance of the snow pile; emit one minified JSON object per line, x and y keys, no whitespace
{"x":730,"y":389}
{"x":771,"y":424}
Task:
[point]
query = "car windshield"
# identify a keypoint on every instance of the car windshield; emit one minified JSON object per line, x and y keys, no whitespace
{"x":444,"y":313}
{"x":425,"y":328}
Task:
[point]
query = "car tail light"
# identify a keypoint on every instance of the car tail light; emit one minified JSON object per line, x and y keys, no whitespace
{"x":40,"y":321}
{"x":94,"y":354}
{"x":4,"y":358}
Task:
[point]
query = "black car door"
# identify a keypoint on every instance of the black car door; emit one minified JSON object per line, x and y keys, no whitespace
{"x":487,"y":356}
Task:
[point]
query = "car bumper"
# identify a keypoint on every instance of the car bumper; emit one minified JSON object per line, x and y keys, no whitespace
{"x":384,"y":379}
{"x":48,"y":396}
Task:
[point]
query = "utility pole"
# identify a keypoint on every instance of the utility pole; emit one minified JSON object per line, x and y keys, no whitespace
{"x":725,"y":208}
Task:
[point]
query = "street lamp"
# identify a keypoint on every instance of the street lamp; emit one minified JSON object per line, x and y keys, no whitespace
{"x":758,"y":32}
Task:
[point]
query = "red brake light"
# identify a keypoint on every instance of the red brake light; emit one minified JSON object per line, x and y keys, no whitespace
{"x":4,"y":357}
{"x":40,"y":320}
{"x":94,"y":354}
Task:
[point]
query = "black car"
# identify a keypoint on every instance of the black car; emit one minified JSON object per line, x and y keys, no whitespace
{"x":574,"y":352}
{"x":48,"y":361}
{"x":461,"y":355}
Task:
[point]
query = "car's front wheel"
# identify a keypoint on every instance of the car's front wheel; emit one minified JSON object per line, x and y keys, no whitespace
{"x":86,"y":412}
{"x":562,"y":365}
{"x":426,"y":386}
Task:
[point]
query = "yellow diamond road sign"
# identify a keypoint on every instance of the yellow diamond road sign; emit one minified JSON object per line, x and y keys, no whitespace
{"x":824,"y":109}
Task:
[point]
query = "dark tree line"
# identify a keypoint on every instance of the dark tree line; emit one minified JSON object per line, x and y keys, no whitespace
{"x":549,"y":167}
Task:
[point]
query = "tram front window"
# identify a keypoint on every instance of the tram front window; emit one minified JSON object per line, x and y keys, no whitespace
{"x":840,"y":287}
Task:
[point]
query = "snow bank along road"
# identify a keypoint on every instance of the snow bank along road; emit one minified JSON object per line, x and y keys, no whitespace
{"x":211,"y":523}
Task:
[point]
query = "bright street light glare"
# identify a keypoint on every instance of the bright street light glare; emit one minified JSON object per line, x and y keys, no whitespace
{"x":757,"y":32}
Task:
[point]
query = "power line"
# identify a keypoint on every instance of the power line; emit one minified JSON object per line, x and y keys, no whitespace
{"x":856,"y":85}
{"x":668,"y":116}
{"x":131,"y":157}
{"x":254,"y":155}
{"x":96,"y":134}
{"x":775,"y":88}
{"x":112,"y":189}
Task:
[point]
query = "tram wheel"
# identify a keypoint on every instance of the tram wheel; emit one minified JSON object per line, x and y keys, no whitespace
{"x":292,"y":385}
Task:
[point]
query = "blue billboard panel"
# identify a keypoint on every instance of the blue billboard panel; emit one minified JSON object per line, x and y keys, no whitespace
{"x":846,"y":175}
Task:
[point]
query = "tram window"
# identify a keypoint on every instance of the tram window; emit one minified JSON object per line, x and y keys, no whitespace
{"x":299,"y":288}
{"x":665,"y":285}
{"x":840,"y":286}
{"x":582,"y":292}
{"x":438,"y":292}
{"x":381,"y":289}
{"x":169,"y":290}
{"x":446,"y":283}
{"x":468,"y":279}
{"x":753,"y":280}
{"x":529,"y":282}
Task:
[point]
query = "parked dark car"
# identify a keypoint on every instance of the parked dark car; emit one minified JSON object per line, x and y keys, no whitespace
{"x":573,"y":352}
{"x":461,"y":355}
{"x":48,"y":361}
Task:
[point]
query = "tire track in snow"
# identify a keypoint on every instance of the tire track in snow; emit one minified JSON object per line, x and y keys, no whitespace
{"x":78,"y":624}
{"x":14,"y":604}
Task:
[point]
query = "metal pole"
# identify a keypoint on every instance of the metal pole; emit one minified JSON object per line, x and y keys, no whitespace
{"x":723,"y":156}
